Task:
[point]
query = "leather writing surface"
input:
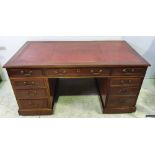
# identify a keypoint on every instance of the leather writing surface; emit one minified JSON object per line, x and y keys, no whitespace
{"x":66,"y":53}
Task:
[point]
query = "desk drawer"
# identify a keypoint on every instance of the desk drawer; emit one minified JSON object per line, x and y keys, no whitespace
{"x":124,"y":90}
{"x":25,"y":72}
{"x":121,"y":101}
{"x":33,"y":104}
{"x":95,"y":71}
{"x":78,"y":71}
{"x":132,"y":71}
{"x":125,"y":81}
{"x":28,"y":83}
{"x":31,"y":93}
{"x":61,"y":72}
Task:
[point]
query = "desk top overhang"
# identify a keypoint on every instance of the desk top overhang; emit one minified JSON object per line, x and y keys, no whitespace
{"x":54,"y":54}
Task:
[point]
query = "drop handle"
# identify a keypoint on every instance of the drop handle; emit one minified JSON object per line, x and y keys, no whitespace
{"x":98,"y":72}
{"x":26,"y":74}
{"x":125,"y":81}
{"x":127,"y":70}
{"x":123,"y":90}
{"x":60,"y":72}
{"x":124,"y":70}
{"x":34,"y":92}
{"x":29,"y":84}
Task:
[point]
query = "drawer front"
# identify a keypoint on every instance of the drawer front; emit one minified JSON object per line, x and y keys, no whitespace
{"x":95,"y":71}
{"x":31,"y":93}
{"x":33,"y":104}
{"x":78,"y":71}
{"x":28,"y":83}
{"x":129,"y":71}
{"x":61,"y":72}
{"x":25,"y":72}
{"x":125,"y":81}
{"x":121,"y":101}
{"x":123,"y":90}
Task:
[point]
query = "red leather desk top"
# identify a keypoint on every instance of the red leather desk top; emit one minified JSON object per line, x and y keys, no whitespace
{"x":75,"y":53}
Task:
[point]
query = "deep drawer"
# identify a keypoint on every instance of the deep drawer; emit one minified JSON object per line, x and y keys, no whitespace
{"x":125,"y":81}
{"x":121,"y":101}
{"x":124,"y":90}
{"x":28,"y":83}
{"x":31,"y":93}
{"x":129,"y":71}
{"x":33,"y":104}
{"x":25,"y":72}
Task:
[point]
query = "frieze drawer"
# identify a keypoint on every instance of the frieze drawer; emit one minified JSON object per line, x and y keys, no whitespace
{"x":25,"y":72}
{"x":129,"y":71}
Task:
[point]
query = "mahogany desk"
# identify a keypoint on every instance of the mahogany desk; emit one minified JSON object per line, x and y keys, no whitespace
{"x":117,"y":68}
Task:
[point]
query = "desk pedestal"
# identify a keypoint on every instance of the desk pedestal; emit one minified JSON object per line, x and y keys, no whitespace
{"x":35,"y":96}
{"x":119,"y":95}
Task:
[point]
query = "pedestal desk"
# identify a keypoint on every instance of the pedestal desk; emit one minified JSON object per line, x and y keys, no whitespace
{"x":118,"y":69}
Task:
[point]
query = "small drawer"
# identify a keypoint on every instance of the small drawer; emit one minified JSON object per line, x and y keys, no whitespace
{"x":95,"y":71}
{"x":121,"y":101}
{"x":25,"y":72}
{"x":125,"y":81}
{"x":123,"y":90}
{"x":33,"y":104}
{"x":129,"y":71}
{"x":28,"y":83}
{"x":31,"y":93}
{"x":61,"y":72}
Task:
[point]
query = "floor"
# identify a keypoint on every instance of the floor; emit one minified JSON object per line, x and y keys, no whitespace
{"x":79,"y":99}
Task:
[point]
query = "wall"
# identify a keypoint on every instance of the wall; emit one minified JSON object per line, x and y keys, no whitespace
{"x":145,"y":46}
{"x":10,"y":45}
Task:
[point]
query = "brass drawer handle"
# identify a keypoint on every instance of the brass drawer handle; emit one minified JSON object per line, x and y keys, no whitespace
{"x":123,"y":90}
{"x":124,"y":70}
{"x":128,"y":70}
{"x":60,"y":72}
{"x":125,"y":81}
{"x":29,"y":73}
{"x":96,"y":72}
{"x":29,"y":84}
